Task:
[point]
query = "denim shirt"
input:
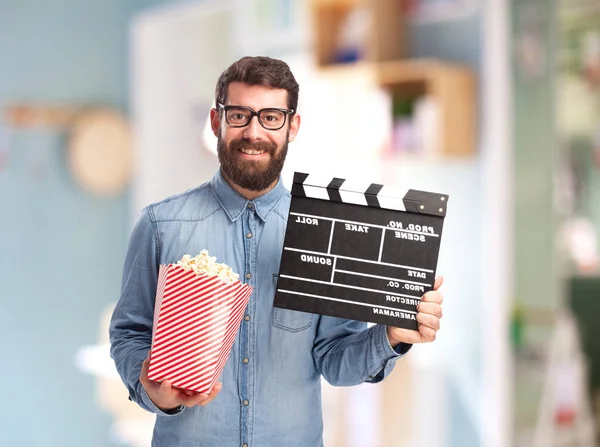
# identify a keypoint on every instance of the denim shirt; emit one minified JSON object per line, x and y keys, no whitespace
{"x":271,"y":393}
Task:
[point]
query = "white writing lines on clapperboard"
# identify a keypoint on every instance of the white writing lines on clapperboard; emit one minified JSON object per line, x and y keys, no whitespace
{"x":382,"y":277}
{"x":395,"y":226}
{"x":359,"y":251}
{"x":380,"y":310}
{"x":396,"y":297}
{"x":414,"y":232}
{"x":318,"y":253}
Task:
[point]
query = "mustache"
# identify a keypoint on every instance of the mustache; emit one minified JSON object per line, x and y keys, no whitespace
{"x":257,"y":145}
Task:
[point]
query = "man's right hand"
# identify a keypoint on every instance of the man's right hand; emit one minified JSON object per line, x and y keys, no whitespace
{"x":167,"y":397}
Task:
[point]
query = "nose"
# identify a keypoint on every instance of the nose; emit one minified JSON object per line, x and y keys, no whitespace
{"x":253,"y":130}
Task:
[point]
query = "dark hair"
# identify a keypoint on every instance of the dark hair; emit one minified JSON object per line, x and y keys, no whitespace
{"x":259,"y":70}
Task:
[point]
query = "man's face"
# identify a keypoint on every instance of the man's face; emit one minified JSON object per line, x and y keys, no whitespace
{"x":252,"y":157}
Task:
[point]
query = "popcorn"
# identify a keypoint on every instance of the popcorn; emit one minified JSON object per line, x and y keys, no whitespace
{"x":205,"y":264}
{"x":198,"y":311}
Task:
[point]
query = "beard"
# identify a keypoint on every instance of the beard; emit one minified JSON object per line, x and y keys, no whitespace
{"x":248,"y":174}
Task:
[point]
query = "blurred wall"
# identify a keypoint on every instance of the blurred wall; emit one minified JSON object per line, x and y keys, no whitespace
{"x":460,"y":41}
{"x":61,"y":249}
{"x":535,"y":151}
{"x":539,"y":275}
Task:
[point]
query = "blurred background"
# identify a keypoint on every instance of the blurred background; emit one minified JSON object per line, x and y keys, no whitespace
{"x":103,"y":109}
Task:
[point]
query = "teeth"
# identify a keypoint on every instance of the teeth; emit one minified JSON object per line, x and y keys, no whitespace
{"x":251,"y":151}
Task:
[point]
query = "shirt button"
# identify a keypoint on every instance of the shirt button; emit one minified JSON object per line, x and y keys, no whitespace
{"x":244,"y":445}
{"x":248,"y":276}
{"x":250,"y":206}
{"x":246,"y":402}
{"x":249,"y":235}
{"x":246,"y":317}
{"x":245,"y":360}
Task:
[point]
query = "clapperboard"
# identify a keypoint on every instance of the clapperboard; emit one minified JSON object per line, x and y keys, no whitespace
{"x":363,"y":252}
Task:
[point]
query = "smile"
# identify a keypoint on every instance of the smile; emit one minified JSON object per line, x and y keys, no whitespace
{"x":250,"y":151}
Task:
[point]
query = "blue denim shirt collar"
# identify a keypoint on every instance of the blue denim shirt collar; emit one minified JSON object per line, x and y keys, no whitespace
{"x":234,"y":204}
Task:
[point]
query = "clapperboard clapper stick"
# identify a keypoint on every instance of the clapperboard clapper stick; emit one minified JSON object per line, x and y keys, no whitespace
{"x":363,"y":252}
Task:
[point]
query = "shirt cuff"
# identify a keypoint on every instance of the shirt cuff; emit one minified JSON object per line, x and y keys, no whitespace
{"x":398,"y":351}
{"x":148,"y":402}
{"x":402,"y":348}
{"x":386,"y":354}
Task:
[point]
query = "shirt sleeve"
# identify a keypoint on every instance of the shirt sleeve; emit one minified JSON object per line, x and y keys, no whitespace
{"x":347,"y":353}
{"x":130,"y":328}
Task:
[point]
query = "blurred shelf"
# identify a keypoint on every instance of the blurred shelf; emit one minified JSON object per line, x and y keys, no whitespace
{"x":451,"y":87}
{"x":418,"y":70}
{"x":25,"y":115}
{"x":380,"y":55}
{"x":453,"y":90}
{"x":379,"y":23}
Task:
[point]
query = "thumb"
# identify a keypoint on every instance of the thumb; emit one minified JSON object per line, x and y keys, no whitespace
{"x":165,"y":386}
{"x":438,"y":282}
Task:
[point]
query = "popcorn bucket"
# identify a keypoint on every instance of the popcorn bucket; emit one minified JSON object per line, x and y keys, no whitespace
{"x":196,"y":319}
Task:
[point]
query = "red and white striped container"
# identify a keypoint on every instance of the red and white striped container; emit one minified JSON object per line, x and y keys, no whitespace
{"x":196,"y":320}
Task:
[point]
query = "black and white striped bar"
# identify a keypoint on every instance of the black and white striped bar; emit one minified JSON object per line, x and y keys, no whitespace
{"x":368,"y":194}
{"x":359,"y":250}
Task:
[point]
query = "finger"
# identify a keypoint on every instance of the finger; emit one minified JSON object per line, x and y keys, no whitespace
{"x":438,"y":282}
{"x":192,"y":401}
{"x":166,"y":388}
{"x":213,"y":394}
{"x":427,"y":334}
{"x":433,"y":297}
{"x":430,"y":321}
{"x":192,"y":398}
{"x":430,"y":308}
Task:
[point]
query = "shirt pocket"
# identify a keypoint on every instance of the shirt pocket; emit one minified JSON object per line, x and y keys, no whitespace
{"x":290,"y":320}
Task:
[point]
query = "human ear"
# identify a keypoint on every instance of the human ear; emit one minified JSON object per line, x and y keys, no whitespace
{"x":215,"y":122}
{"x":294,"y":127}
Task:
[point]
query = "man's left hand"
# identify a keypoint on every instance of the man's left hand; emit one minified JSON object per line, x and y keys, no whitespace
{"x":429,"y":312}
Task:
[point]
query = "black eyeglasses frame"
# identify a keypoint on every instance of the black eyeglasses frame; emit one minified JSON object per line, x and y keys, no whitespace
{"x":253,"y":113}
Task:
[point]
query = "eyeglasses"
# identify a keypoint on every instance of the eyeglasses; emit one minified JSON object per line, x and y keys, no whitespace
{"x":270,"y":119}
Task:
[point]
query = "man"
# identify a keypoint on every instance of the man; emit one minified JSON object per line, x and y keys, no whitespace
{"x":269,"y":394}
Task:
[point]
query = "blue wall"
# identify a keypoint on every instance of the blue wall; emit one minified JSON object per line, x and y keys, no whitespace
{"x":61,"y":249}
